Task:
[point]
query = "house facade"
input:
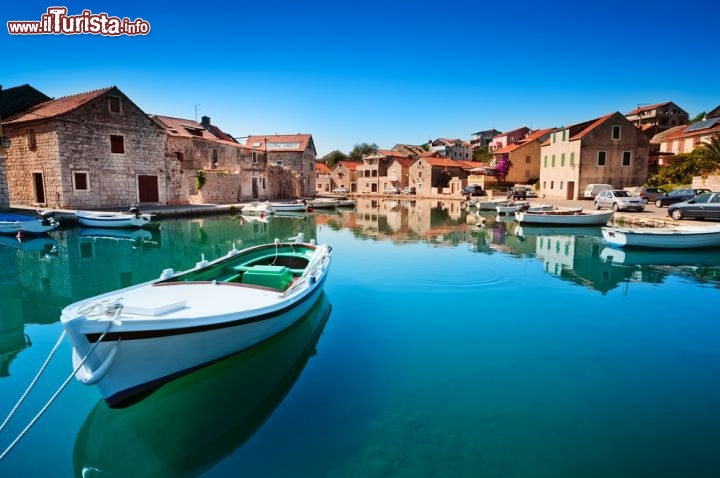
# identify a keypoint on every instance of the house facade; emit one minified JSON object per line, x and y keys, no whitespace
{"x":344,"y":175}
{"x":398,"y":172}
{"x":290,"y":157}
{"x":606,"y":150}
{"x":433,"y":175}
{"x":372,"y":174}
{"x":524,"y":156}
{"x":94,"y":149}
{"x":230,"y":171}
{"x":504,"y":139}
{"x":686,"y":138}
{"x":323,"y":182}
{"x":482,"y":139}
{"x":455,"y":149}
{"x":653,"y":119}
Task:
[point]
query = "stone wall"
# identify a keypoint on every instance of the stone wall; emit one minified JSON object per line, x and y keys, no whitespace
{"x":4,"y":194}
{"x":219,"y":188}
{"x":711,"y":182}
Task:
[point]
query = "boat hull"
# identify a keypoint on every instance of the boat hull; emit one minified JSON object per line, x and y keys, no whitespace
{"x":568,"y":219}
{"x":674,"y":238}
{"x":112,"y":220}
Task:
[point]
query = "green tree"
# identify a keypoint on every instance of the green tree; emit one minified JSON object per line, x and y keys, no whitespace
{"x":362,"y":149}
{"x":482,"y":155}
{"x":709,"y":154}
{"x":697,"y":118}
{"x":335,"y":157}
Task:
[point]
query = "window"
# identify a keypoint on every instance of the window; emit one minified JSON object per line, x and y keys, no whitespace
{"x":117,"y":144}
{"x":180,"y":156}
{"x":552,"y":184}
{"x":527,"y":159}
{"x":114,"y":104}
{"x":572,"y":159}
{"x":553,"y":137}
{"x":80,"y":181}
{"x":544,"y":161}
{"x":601,"y":158}
{"x":214,"y":160}
{"x":562,"y":161}
{"x":561,"y":184}
{"x":278,"y":162}
{"x":254,"y":157}
{"x":552,"y":163}
{"x":626,"y":158}
{"x":31,"y":141}
{"x":616,"y":132}
{"x":563,"y":136}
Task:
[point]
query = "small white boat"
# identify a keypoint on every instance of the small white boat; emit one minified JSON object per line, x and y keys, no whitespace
{"x":257,"y":207}
{"x":491,"y":204}
{"x":565,"y":217}
{"x":321,"y":203}
{"x":512,"y":207}
{"x":677,"y":237}
{"x":133,"y":218}
{"x":21,"y":224}
{"x":133,"y":339}
{"x":296,"y":206}
{"x":345,"y":202}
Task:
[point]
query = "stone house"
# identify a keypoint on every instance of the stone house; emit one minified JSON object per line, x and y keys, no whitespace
{"x":408,"y":150}
{"x":290,"y":161}
{"x":524,"y":156}
{"x":95,"y":149}
{"x":12,"y":101}
{"x":372,"y":174}
{"x":606,"y":150}
{"x":504,"y":139}
{"x":398,"y":172}
{"x":229,"y":171}
{"x":344,"y":174}
{"x":432,"y":175}
{"x":323,"y":183}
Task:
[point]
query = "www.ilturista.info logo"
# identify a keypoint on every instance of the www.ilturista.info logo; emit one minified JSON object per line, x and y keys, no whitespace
{"x":57,"y":22}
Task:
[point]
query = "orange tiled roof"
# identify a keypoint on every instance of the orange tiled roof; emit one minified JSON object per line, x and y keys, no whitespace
{"x":322,"y":168}
{"x":53,"y":108}
{"x":591,"y":125}
{"x":449,"y":163}
{"x":271,"y":142}
{"x":647,"y":108}
{"x":351,"y":165}
{"x":183,"y":127}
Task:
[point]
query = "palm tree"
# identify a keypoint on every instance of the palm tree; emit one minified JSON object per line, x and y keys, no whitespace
{"x":709,"y":153}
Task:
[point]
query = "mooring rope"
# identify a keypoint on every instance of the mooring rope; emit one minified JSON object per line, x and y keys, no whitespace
{"x":59,"y":390}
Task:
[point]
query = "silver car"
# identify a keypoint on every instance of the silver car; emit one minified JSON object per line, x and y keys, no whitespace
{"x":619,"y":200}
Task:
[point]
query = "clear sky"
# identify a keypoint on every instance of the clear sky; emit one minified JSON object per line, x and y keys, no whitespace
{"x":381,"y":72}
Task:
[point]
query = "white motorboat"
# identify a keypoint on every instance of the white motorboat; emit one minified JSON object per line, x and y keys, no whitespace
{"x":296,"y":206}
{"x":108,"y":219}
{"x":571,"y":217}
{"x":677,"y":237}
{"x":321,"y":203}
{"x":21,"y":224}
{"x":257,"y":207}
{"x":133,"y":339}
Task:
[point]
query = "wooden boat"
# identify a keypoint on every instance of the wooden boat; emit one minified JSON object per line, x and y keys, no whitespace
{"x":677,"y":237}
{"x":296,"y":206}
{"x":132,"y":339}
{"x":257,"y":207}
{"x":19,"y":224}
{"x":226,"y":403}
{"x":133,"y":218}
{"x":569,"y":217}
{"x":321,"y":203}
{"x":491,"y":204}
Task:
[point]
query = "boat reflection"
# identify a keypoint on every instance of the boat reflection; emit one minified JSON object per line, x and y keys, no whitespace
{"x":662,"y":257}
{"x":138,"y":236}
{"x":188,"y":425}
{"x":46,"y":245}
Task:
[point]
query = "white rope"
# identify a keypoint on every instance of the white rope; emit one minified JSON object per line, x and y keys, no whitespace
{"x":33,"y":382}
{"x":59,"y":390}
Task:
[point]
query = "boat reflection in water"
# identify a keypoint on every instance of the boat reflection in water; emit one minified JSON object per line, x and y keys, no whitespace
{"x":660,"y":257}
{"x":190,"y":424}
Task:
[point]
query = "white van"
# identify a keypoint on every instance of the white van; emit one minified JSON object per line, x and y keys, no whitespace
{"x":591,"y":190}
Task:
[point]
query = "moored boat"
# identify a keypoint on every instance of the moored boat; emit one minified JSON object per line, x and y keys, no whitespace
{"x":132,"y":339}
{"x":257,"y":207}
{"x":22,"y":224}
{"x":321,"y":203}
{"x":677,"y":237}
{"x":565,"y":217}
{"x":296,"y":206}
{"x":490,"y":204}
{"x":108,"y":219}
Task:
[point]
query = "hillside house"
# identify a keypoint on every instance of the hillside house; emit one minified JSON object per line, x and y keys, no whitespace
{"x":504,"y":139}
{"x":653,"y":119}
{"x":455,"y":149}
{"x":686,"y":138}
{"x":344,"y":175}
{"x":524,"y":156}
{"x":482,"y":139}
{"x":606,"y":150}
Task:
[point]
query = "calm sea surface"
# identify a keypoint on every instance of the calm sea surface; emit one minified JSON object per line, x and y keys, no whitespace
{"x":440,"y":348}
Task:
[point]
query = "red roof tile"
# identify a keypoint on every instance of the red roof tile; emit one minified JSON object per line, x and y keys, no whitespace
{"x":53,"y":108}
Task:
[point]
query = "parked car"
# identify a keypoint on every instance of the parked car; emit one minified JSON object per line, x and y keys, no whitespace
{"x":340,"y":190}
{"x":649,"y":194}
{"x":408,"y":190}
{"x":678,"y":195}
{"x":592,"y":190}
{"x":702,"y":206}
{"x":619,"y":200}
{"x":518,"y":192}
{"x":473,"y":190}
{"x":391,"y":190}
{"x":530,"y":192}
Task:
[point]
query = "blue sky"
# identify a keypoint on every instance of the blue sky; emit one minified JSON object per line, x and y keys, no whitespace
{"x":381,"y":72}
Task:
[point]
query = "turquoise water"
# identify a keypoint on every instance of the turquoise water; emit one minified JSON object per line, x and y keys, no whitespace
{"x":439,"y":349}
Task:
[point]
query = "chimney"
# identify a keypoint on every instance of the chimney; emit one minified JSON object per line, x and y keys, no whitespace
{"x":205,"y":122}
